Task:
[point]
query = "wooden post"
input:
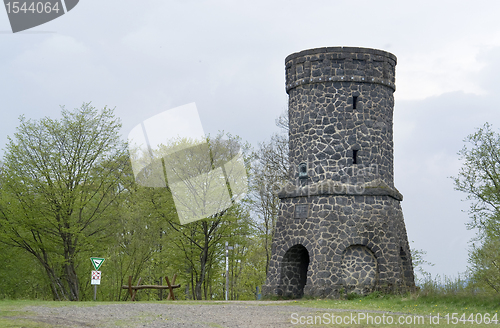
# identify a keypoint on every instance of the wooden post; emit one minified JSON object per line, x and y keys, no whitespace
{"x":171,"y":295}
{"x":161,"y":290}
{"x":171,"y":291}
{"x":130,"y":286}
{"x":135,"y":289}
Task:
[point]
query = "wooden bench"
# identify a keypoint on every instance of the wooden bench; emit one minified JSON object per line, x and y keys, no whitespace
{"x":133,"y":289}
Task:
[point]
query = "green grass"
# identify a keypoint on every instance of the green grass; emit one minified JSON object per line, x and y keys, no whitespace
{"x":425,"y":305}
{"x":24,"y":323}
{"x":12,"y":310}
{"x":12,"y":314}
{"x":428,"y":305}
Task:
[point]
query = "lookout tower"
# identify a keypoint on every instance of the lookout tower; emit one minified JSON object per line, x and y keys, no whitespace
{"x":340,"y":227}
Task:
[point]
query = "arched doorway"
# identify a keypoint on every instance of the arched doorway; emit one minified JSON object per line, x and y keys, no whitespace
{"x":294,"y":271}
{"x":359,"y":269}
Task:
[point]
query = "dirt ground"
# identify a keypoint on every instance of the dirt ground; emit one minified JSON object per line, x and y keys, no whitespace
{"x":171,"y":314}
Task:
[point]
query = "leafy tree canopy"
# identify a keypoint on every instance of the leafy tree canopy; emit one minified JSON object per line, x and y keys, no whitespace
{"x":58,"y":180}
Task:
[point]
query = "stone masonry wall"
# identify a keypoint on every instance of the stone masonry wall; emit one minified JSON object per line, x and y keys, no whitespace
{"x":374,"y":223}
{"x":340,"y":204}
{"x":325,"y":127}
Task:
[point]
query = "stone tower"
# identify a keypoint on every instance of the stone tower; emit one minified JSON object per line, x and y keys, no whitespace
{"x":340,"y":227}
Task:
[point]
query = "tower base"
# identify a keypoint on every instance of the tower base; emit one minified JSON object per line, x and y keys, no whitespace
{"x":355,"y":243}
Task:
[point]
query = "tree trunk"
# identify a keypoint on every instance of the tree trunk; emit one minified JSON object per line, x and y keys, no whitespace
{"x":199,"y":282}
{"x":203,"y":263}
{"x":69,"y":265}
{"x":58,"y":291}
{"x":192,"y":285}
{"x":72,"y":281}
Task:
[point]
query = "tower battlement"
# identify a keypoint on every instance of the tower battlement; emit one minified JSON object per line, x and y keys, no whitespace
{"x":340,"y":64}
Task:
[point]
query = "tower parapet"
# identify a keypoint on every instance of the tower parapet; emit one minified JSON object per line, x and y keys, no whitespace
{"x":340,"y":64}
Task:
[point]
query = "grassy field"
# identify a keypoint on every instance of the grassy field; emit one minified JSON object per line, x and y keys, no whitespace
{"x":420,"y":310}
{"x":15,"y":308}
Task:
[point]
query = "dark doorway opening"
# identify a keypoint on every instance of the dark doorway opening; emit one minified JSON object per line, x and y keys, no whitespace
{"x":294,"y":271}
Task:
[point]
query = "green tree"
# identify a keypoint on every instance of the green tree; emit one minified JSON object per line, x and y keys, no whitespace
{"x":201,"y":242}
{"x":419,"y":261}
{"x":129,"y":250}
{"x":485,"y":263}
{"x":479,"y":178}
{"x":21,"y":276}
{"x":248,"y":268}
{"x":204,"y":179}
{"x":58,"y":182}
{"x":270,"y":171}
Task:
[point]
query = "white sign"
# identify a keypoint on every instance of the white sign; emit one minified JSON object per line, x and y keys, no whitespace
{"x":96,"y":278}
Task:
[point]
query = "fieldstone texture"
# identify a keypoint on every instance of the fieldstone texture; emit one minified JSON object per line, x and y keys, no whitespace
{"x":359,"y":268}
{"x":340,"y":227}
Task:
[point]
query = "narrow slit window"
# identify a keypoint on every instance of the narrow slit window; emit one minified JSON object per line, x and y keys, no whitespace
{"x":354,"y":156}
{"x":303,"y":171}
{"x":354,"y":102}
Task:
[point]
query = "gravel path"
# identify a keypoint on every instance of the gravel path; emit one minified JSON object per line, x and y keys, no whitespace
{"x":213,"y":314}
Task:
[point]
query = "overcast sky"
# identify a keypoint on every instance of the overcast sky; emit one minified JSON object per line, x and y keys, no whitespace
{"x":144,"y":57}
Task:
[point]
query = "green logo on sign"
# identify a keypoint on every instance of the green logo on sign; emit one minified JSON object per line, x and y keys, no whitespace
{"x":96,"y":262}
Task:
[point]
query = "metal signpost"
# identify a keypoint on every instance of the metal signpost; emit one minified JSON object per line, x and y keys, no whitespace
{"x":227,"y":266}
{"x":96,"y":275}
